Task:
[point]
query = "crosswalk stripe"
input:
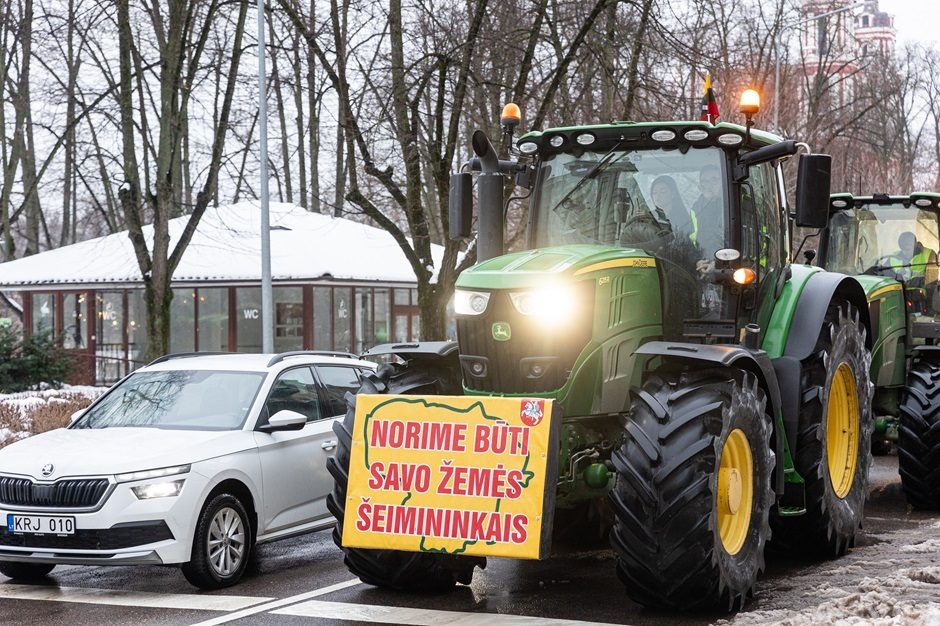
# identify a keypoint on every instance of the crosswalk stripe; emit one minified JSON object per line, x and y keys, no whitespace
{"x":415,"y":617}
{"x":270,"y":606}
{"x":145,"y":599}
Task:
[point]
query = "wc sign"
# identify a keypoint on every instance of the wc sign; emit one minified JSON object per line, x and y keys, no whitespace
{"x":251,"y":314}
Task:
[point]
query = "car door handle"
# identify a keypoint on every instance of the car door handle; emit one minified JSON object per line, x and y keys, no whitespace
{"x":328,"y":445}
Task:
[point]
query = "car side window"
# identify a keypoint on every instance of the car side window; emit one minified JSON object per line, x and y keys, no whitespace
{"x":294,"y":390}
{"x":337,"y":380}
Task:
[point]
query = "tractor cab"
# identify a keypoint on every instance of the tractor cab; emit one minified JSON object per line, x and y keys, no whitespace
{"x":676,"y":192}
{"x":897,"y":237}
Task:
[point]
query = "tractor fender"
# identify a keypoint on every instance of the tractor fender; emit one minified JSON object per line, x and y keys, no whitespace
{"x":755,"y":361}
{"x":820,"y":290}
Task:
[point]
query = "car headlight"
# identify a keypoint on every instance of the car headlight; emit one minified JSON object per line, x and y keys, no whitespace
{"x":154,"y":473}
{"x":552,"y":305}
{"x":470,"y":302}
{"x":166,"y":489}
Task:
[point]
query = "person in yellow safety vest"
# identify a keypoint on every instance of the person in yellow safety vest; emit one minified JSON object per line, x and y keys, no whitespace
{"x":912,"y":260}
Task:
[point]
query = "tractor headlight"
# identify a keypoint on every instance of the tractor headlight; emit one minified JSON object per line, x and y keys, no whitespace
{"x":552,"y":305}
{"x":470,"y":302}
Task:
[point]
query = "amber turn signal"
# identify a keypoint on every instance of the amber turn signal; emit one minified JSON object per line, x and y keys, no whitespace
{"x":744,"y":276}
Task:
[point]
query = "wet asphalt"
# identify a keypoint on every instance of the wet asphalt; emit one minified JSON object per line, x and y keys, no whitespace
{"x":578,"y":583}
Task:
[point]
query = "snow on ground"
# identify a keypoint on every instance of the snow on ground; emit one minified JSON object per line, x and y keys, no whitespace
{"x":17,"y":410}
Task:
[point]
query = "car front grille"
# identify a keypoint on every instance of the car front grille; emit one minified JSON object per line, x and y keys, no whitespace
{"x":81,"y":493}
{"x":114,"y":538}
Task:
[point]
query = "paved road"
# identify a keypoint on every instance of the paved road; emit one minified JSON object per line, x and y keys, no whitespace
{"x":892,"y":572}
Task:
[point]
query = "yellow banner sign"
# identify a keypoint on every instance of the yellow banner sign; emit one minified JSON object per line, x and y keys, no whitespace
{"x":453,"y":475}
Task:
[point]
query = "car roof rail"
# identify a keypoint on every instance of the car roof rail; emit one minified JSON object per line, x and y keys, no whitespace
{"x":277,"y":358}
{"x":183,"y":355}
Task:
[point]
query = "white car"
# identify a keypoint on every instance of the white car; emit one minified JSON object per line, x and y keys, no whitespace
{"x":191,"y":460}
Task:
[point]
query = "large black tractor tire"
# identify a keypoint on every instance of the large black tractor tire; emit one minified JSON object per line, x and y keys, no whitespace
{"x":919,"y":436}
{"x":693,"y":491}
{"x":404,"y":571}
{"x":833,"y":448}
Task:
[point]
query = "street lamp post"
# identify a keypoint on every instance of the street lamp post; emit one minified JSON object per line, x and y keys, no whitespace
{"x":778,"y":44}
{"x":267,"y":299}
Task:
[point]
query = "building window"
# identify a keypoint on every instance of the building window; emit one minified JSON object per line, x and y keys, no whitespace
{"x":43,"y":305}
{"x":109,"y":336}
{"x":137,"y":340}
{"x":342,"y":303}
{"x":383,"y":316}
{"x":364,"y":331}
{"x":212,"y":322}
{"x":74,"y":321}
{"x":288,"y":318}
{"x":183,"y":320}
{"x":248,"y":318}
{"x":322,"y":318}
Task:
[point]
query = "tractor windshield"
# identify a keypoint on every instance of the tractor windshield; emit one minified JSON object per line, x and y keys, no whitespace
{"x":889,"y":240}
{"x":664,"y":201}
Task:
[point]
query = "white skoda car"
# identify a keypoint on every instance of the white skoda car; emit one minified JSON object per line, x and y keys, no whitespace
{"x":191,"y":460}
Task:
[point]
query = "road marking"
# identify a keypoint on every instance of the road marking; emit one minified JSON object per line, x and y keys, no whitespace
{"x":115,"y":597}
{"x":262,"y":608}
{"x":415,"y":617}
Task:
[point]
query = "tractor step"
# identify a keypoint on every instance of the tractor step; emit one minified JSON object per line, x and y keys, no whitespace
{"x":793,"y":502}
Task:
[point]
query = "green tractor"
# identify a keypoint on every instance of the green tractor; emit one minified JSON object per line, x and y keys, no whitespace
{"x":891,"y":244}
{"x":711,"y":391}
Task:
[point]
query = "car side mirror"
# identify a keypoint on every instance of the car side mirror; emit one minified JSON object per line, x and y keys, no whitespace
{"x":812,"y":190}
{"x":285,"y":419}
{"x":77,"y":414}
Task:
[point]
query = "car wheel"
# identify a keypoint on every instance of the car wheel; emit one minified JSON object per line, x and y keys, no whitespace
{"x":221,"y":545}
{"x":26,"y":571}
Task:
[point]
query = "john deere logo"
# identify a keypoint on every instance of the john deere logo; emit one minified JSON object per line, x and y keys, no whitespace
{"x":501,"y":331}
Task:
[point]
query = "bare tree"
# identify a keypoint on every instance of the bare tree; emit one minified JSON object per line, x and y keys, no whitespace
{"x":181,"y":33}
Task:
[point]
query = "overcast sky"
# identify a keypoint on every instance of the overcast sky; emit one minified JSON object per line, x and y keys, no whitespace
{"x":915,"y":20}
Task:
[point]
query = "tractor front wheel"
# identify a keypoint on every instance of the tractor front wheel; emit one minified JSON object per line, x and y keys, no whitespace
{"x":833,"y":449}
{"x":406,"y":571}
{"x":693,"y":491}
{"x":919,"y":436}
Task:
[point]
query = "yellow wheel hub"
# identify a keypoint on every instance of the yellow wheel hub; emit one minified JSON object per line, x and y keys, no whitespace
{"x":735,"y":491}
{"x":842,"y":429}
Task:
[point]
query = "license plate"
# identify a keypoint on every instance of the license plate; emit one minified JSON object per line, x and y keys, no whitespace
{"x":40,"y":524}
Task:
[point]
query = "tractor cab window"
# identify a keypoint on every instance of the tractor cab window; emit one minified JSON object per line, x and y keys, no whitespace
{"x":761,"y":239}
{"x":666,"y":202}
{"x":890,"y":240}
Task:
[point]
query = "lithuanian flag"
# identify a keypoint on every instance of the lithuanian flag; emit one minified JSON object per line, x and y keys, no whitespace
{"x":709,"y":104}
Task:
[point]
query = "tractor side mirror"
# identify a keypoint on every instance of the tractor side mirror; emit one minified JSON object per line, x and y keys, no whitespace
{"x":812,"y":190}
{"x":460,"y":205}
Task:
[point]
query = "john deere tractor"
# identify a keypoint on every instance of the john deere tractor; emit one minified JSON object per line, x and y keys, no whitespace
{"x":891,"y":244}
{"x":708,"y":389}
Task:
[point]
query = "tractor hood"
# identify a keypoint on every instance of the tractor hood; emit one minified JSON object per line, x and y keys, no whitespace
{"x":534,"y":268}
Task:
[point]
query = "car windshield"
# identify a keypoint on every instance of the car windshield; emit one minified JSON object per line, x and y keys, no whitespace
{"x":177,"y":399}
{"x":878,"y":239}
{"x":658,"y":200}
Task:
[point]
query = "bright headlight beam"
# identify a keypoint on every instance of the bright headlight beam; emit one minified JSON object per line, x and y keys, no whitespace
{"x":552,"y":305}
{"x":167,"y":489}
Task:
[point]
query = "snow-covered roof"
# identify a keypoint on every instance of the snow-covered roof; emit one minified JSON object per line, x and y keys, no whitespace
{"x":227,"y":247}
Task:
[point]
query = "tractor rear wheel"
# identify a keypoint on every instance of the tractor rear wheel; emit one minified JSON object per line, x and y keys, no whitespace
{"x":833,"y":449}
{"x":406,"y":571}
{"x":693,"y":491}
{"x":919,"y":436}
